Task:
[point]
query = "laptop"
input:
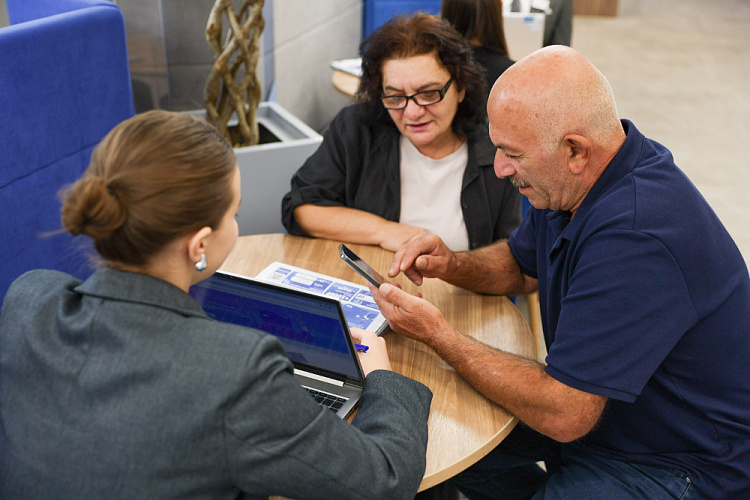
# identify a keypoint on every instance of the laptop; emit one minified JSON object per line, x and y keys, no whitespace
{"x":312,"y":328}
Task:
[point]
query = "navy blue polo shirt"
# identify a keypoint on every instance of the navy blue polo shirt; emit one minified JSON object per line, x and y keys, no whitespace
{"x":645,"y":299}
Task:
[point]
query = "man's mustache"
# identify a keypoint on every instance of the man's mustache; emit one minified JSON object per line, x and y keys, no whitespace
{"x":519,"y":183}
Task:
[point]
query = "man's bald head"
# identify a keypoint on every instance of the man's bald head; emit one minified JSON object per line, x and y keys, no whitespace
{"x":554,"y":122}
{"x":560,"y":92}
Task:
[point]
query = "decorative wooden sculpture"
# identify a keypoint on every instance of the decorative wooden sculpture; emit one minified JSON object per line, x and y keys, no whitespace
{"x":232,"y":89}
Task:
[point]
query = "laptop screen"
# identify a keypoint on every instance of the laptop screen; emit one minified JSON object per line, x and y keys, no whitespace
{"x":310,"y":327}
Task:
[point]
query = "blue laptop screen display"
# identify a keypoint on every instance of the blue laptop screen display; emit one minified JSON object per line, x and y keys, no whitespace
{"x":309,"y":328}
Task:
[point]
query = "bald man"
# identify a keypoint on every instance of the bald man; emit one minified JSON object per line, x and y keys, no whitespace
{"x":645,"y":303}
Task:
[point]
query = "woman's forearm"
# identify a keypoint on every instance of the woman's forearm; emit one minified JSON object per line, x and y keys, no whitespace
{"x":352,"y":226}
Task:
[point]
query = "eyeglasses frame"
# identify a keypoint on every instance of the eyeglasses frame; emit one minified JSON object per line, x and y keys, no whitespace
{"x":442,"y":93}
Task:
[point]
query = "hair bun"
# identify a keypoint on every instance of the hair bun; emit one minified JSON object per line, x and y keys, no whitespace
{"x":93,"y":208}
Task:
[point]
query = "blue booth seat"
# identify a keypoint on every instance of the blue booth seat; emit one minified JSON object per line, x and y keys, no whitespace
{"x":64,"y":83}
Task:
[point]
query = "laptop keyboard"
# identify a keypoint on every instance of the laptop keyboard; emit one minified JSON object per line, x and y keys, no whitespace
{"x":330,"y":401}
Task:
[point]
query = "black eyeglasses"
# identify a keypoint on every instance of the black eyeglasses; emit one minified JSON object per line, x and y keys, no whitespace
{"x":424,"y":98}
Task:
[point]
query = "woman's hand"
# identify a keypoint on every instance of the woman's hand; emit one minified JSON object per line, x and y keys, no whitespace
{"x":393,"y":234}
{"x":376,"y":357}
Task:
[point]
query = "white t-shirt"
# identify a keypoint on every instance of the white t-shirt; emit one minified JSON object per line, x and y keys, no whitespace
{"x":431,"y":193}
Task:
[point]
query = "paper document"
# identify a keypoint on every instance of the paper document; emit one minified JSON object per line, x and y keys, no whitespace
{"x":356,"y":300}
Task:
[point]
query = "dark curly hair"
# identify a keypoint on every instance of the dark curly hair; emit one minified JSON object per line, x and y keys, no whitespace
{"x":407,"y":36}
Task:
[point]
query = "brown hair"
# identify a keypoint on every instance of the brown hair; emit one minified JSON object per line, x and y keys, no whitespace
{"x":152,"y":179}
{"x":402,"y":37}
{"x":480,"y":20}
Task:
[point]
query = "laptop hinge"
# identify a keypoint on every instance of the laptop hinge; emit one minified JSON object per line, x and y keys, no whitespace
{"x":319,"y":377}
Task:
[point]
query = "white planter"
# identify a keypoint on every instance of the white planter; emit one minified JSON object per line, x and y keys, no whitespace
{"x":266,"y":169}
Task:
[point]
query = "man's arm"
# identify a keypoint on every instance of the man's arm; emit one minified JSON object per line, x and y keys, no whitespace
{"x":491,"y":269}
{"x":352,"y":226}
{"x":518,"y":384}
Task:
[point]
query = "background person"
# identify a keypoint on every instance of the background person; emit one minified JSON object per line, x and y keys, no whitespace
{"x":558,"y":25}
{"x":644,"y":299}
{"x":122,"y":387}
{"x":481,"y":23}
{"x":412,"y":155}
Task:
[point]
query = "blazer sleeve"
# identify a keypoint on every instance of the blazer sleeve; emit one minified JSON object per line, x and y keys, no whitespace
{"x":280,"y":442}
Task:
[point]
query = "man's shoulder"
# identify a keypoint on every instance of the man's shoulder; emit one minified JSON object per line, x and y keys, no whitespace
{"x":641,"y":186}
{"x":656,"y":200}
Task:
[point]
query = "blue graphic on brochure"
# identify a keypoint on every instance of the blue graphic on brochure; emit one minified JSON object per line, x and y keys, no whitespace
{"x":356,"y":300}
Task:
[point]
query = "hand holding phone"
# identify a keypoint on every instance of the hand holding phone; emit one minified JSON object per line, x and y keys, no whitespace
{"x":360,"y":266}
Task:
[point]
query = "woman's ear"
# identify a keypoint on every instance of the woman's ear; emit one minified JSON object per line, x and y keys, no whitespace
{"x":196,"y":244}
{"x":578,"y":151}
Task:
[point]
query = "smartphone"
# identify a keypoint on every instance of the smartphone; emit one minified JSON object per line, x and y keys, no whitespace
{"x":360,"y":266}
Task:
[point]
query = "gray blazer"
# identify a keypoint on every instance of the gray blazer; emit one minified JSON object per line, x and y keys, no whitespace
{"x":121,"y":387}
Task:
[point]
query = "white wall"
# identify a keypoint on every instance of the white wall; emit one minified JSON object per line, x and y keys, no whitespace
{"x":308,"y":35}
{"x":300,"y":40}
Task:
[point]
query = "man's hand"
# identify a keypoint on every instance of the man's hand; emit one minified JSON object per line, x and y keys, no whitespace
{"x":408,"y":314}
{"x":423,"y":256}
{"x":519,"y":384}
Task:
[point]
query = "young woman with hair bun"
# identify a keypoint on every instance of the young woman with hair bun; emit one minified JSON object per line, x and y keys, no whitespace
{"x":122,"y":387}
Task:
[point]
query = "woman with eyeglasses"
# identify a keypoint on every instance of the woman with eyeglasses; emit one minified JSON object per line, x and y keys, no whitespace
{"x":413,"y":154}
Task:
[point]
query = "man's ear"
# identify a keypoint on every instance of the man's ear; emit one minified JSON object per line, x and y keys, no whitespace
{"x":196,"y":243}
{"x":578,"y":151}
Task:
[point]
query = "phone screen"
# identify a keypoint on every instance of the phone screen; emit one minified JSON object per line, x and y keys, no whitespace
{"x":360,"y":266}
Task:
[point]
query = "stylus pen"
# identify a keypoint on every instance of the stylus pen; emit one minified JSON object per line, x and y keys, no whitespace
{"x":361,"y":348}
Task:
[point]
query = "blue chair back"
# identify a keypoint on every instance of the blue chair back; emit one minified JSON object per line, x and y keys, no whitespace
{"x":376,"y":12}
{"x":64,"y":83}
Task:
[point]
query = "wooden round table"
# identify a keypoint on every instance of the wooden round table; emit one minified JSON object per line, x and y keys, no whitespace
{"x":346,"y":83}
{"x":463,"y":424}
